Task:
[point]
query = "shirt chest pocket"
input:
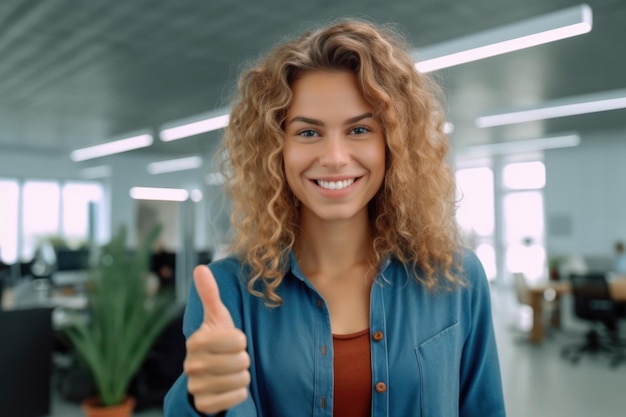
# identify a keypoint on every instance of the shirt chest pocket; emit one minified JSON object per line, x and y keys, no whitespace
{"x":438,"y":360}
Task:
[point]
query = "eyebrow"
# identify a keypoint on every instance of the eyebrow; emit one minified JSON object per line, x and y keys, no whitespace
{"x":320,"y":123}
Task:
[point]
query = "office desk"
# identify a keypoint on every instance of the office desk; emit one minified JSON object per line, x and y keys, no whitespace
{"x":617,"y":286}
{"x":31,"y":293}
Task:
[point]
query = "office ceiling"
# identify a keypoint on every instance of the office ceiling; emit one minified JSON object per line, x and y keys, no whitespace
{"x":75,"y":73}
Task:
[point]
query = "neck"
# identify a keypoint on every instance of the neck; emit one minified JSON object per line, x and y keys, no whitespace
{"x":331,"y":247}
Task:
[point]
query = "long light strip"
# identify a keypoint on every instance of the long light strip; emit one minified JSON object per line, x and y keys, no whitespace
{"x":553,"y":142}
{"x":113,"y":147}
{"x":172,"y":165}
{"x":536,"y":31}
{"x":589,"y":103}
{"x":197,"y":127}
{"x":551,"y":27}
{"x":161,"y":194}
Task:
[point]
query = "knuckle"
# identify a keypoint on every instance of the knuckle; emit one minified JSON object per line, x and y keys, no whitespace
{"x":192,"y":343}
{"x":192,"y":386}
{"x":199,"y":387}
{"x":241,"y":340}
{"x":243,"y":360}
{"x":205,"y":404}
{"x":246,"y":378}
{"x":191,"y":366}
{"x":240,"y":395}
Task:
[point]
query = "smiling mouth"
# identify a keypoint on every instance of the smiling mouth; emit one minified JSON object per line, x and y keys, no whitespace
{"x":335,"y":185}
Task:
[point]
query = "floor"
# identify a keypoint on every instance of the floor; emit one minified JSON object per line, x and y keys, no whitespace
{"x":537,"y":382}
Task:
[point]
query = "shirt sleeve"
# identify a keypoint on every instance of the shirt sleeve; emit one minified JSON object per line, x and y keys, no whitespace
{"x":481,"y":384}
{"x":178,"y":402}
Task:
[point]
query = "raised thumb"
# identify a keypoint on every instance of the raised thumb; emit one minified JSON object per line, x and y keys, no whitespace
{"x":216,"y":315}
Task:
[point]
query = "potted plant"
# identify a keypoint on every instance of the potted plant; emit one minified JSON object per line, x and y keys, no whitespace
{"x":554,"y":264}
{"x":124,"y":320}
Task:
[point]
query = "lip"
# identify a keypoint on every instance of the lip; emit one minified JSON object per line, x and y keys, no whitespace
{"x":337,"y":178}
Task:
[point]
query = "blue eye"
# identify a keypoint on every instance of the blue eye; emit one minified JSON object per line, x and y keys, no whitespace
{"x":308,"y":133}
{"x":359,"y":130}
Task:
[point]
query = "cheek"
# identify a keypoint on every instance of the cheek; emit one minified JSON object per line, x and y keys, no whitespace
{"x":377,"y":161}
{"x":376,"y":156}
{"x":291,"y":164}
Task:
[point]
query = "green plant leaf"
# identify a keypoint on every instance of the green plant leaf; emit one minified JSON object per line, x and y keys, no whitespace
{"x":124,"y":319}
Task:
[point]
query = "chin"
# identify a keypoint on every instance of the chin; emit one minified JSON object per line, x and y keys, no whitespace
{"x":336,"y":214}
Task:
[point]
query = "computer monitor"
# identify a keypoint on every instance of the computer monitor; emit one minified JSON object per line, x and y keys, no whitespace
{"x":72,"y":260}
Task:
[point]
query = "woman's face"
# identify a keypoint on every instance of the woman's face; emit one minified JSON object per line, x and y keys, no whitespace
{"x":334,"y":151}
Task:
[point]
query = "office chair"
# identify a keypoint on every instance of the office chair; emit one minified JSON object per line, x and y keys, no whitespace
{"x":593,"y":302}
{"x":25,"y":362}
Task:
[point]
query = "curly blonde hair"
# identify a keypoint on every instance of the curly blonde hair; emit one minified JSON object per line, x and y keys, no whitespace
{"x":413,"y":212}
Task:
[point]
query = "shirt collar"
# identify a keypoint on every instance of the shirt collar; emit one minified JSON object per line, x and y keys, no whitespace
{"x":294,"y":267}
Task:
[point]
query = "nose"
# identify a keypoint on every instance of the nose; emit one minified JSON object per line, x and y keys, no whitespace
{"x":335,"y":151}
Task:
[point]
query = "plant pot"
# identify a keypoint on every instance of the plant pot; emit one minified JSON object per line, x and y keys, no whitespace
{"x":93,"y":408}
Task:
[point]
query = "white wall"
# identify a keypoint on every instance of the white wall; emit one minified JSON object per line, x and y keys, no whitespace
{"x":585,"y":195}
{"x":39,"y":166}
{"x":128,"y":170}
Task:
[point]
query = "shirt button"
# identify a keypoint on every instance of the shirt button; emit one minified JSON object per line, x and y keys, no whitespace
{"x":319,"y":303}
{"x":381,"y":387}
{"x":377,"y":336}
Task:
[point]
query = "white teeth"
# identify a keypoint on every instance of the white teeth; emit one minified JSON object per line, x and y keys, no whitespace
{"x":335,"y":185}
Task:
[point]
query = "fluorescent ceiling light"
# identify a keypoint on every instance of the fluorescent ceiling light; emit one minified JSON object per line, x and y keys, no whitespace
{"x":588,"y":103}
{"x":195,"y":126}
{"x":135,"y":141}
{"x":551,"y":27}
{"x":163,"y":194}
{"x":172,"y":165}
{"x":93,"y":173}
{"x":531,"y":145}
{"x":196,"y":196}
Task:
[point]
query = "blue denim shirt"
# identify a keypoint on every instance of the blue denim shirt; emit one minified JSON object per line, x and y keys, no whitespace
{"x":436,"y":358}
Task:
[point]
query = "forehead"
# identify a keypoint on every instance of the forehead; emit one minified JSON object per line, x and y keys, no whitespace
{"x":325,"y":92}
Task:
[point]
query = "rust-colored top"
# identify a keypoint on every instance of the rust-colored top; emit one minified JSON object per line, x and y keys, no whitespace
{"x":353,"y":375}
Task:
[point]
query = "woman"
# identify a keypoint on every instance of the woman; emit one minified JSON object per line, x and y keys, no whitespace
{"x":347,"y":293}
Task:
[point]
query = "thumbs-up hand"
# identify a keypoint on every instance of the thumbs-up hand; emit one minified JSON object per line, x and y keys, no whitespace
{"x":217,"y":362}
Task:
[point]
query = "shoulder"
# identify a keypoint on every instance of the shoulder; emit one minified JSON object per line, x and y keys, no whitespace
{"x":469,"y":271}
{"x":227,"y":269}
{"x":473,"y":270}
{"x":477,"y":284}
{"x":228,"y":273}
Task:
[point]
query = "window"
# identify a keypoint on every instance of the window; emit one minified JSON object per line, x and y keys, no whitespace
{"x":524,"y":175}
{"x":475,"y":195}
{"x":34,"y":210}
{"x":523,"y":219}
{"x":475,"y":214}
{"x":9,"y":206}
{"x":504,"y":224}
{"x":77,"y":198}
{"x":40,"y":208}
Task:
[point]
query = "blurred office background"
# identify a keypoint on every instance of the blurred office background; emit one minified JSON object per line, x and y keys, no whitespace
{"x":540,"y":194}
